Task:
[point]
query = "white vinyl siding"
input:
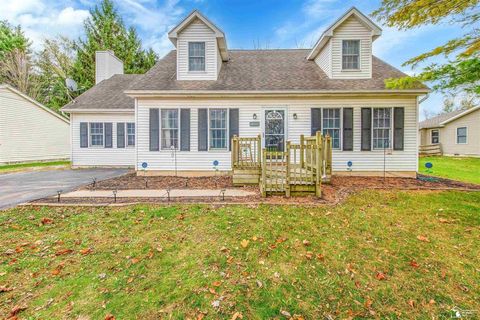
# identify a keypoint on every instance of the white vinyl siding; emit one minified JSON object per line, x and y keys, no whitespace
{"x":352,"y":29}
{"x":398,"y":161}
{"x":98,"y":156}
{"x":197,"y":31}
{"x":448,"y":136}
{"x":29,"y":132}
{"x":324,"y":59}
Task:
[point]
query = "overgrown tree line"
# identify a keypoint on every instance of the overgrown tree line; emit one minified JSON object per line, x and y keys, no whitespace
{"x":42,"y":74}
{"x":460,"y":74}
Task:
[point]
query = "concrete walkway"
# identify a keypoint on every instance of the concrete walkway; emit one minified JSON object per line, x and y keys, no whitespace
{"x":160,"y":193}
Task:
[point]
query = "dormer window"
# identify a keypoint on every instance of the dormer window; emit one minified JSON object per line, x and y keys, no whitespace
{"x":351,"y":54}
{"x":196,"y":56}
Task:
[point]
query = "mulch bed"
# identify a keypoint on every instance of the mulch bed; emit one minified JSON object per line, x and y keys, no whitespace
{"x":333,"y":193}
{"x":131,"y":181}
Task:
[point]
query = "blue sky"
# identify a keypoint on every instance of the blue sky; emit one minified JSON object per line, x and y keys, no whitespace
{"x":247,"y":24}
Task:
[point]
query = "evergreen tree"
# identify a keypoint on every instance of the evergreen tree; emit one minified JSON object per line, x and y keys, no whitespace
{"x":12,"y":38}
{"x":105,"y":30}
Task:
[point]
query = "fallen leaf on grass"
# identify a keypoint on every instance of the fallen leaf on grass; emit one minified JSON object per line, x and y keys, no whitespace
{"x":217,"y":283}
{"x":306,"y":242}
{"x":368,"y":303}
{"x":16,"y":310}
{"x":285,"y":313}
{"x":5,"y":289}
{"x":109,"y":317}
{"x":320,"y":257}
{"x":63,"y":252}
{"x":134,"y":260}
{"x":237,"y":315}
{"x":309,"y":255}
{"x":411,"y":303}
{"x":86,"y":251}
{"x":423,"y":238}
{"x":381,"y":276}
{"x":414,"y":264}
{"x":443,"y":220}
{"x":45,"y":221}
{"x":130,"y":280}
{"x":159,"y":249}
{"x":244,"y":243}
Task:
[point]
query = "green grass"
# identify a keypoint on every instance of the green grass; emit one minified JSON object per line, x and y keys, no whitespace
{"x":201,"y":259}
{"x":455,"y":168}
{"x":20,"y":166}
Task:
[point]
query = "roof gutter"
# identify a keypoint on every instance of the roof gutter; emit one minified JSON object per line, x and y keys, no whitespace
{"x":270,"y":94}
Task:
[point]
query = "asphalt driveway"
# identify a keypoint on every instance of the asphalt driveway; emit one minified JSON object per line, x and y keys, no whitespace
{"x":16,"y":188}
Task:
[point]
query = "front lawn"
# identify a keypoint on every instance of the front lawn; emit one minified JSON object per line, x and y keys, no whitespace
{"x":455,"y":168}
{"x":381,"y":254}
{"x":31,"y":165}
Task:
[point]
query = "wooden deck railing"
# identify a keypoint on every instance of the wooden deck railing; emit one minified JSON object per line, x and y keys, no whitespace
{"x":300,"y":168}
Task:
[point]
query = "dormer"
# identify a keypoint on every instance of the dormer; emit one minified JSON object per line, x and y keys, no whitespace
{"x":201,"y":48}
{"x":344,"y":50}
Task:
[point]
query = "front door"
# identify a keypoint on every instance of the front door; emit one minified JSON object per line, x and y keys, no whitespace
{"x":274,"y":129}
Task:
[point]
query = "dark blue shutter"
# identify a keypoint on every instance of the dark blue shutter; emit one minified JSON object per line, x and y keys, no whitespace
{"x":108,"y":134}
{"x":83,"y":135}
{"x":316,"y":120}
{"x":154,"y":130}
{"x":398,"y":126}
{"x":366,"y":129}
{"x":347,"y":129}
{"x":120,"y":135}
{"x":184,"y":129}
{"x":202,"y":130}
{"x":233,"y":125}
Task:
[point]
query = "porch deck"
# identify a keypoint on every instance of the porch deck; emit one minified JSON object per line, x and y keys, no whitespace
{"x":301,"y":168}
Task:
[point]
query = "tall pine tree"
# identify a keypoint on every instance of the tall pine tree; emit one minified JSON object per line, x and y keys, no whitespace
{"x":105,"y":30}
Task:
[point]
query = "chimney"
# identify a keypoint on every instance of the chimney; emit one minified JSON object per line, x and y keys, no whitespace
{"x":106,"y":65}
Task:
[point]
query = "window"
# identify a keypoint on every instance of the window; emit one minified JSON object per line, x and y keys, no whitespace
{"x":462,"y":135}
{"x":435,"y":137}
{"x":196,"y":56}
{"x":331,"y":126}
{"x":382,"y":123}
{"x":350,"y":54}
{"x":169,"y":128}
{"x":130,"y":134}
{"x":96,"y":134}
{"x":218,"y":128}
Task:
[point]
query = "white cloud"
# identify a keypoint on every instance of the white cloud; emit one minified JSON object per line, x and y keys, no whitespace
{"x":41,"y":19}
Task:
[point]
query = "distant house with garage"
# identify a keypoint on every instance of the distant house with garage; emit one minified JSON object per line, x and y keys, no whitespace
{"x":29,"y":131}
{"x":183,"y":113}
{"x":455,"y":133}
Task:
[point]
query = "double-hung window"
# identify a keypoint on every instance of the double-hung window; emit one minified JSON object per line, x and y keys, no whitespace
{"x":130,"y":134}
{"x":196,"y":56}
{"x":435,"y":137}
{"x":351,"y":54}
{"x":462,"y":135}
{"x":331,"y":125}
{"x":96,"y":134}
{"x":218,"y":128}
{"x":169,"y":121}
{"x":382,"y":128}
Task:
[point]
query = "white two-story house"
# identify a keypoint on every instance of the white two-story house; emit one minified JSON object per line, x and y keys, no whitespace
{"x":182,"y":113}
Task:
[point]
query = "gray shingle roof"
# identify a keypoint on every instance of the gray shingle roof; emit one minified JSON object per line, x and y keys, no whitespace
{"x":107,"y":94}
{"x":247,"y":70}
{"x":435,"y":121}
{"x":263,"y":70}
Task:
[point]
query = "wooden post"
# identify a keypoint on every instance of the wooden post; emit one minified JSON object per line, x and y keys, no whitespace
{"x":302,"y":149}
{"x":329,"y":157}
{"x":264,"y":169}
{"x":318,"y":165}
{"x":259,"y":150}
{"x":234,"y":152}
{"x":287,"y":173}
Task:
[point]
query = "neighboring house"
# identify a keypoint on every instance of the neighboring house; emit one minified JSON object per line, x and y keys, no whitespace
{"x":182,"y":113}
{"x":30,"y":131}
{"x":454,"y":133}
